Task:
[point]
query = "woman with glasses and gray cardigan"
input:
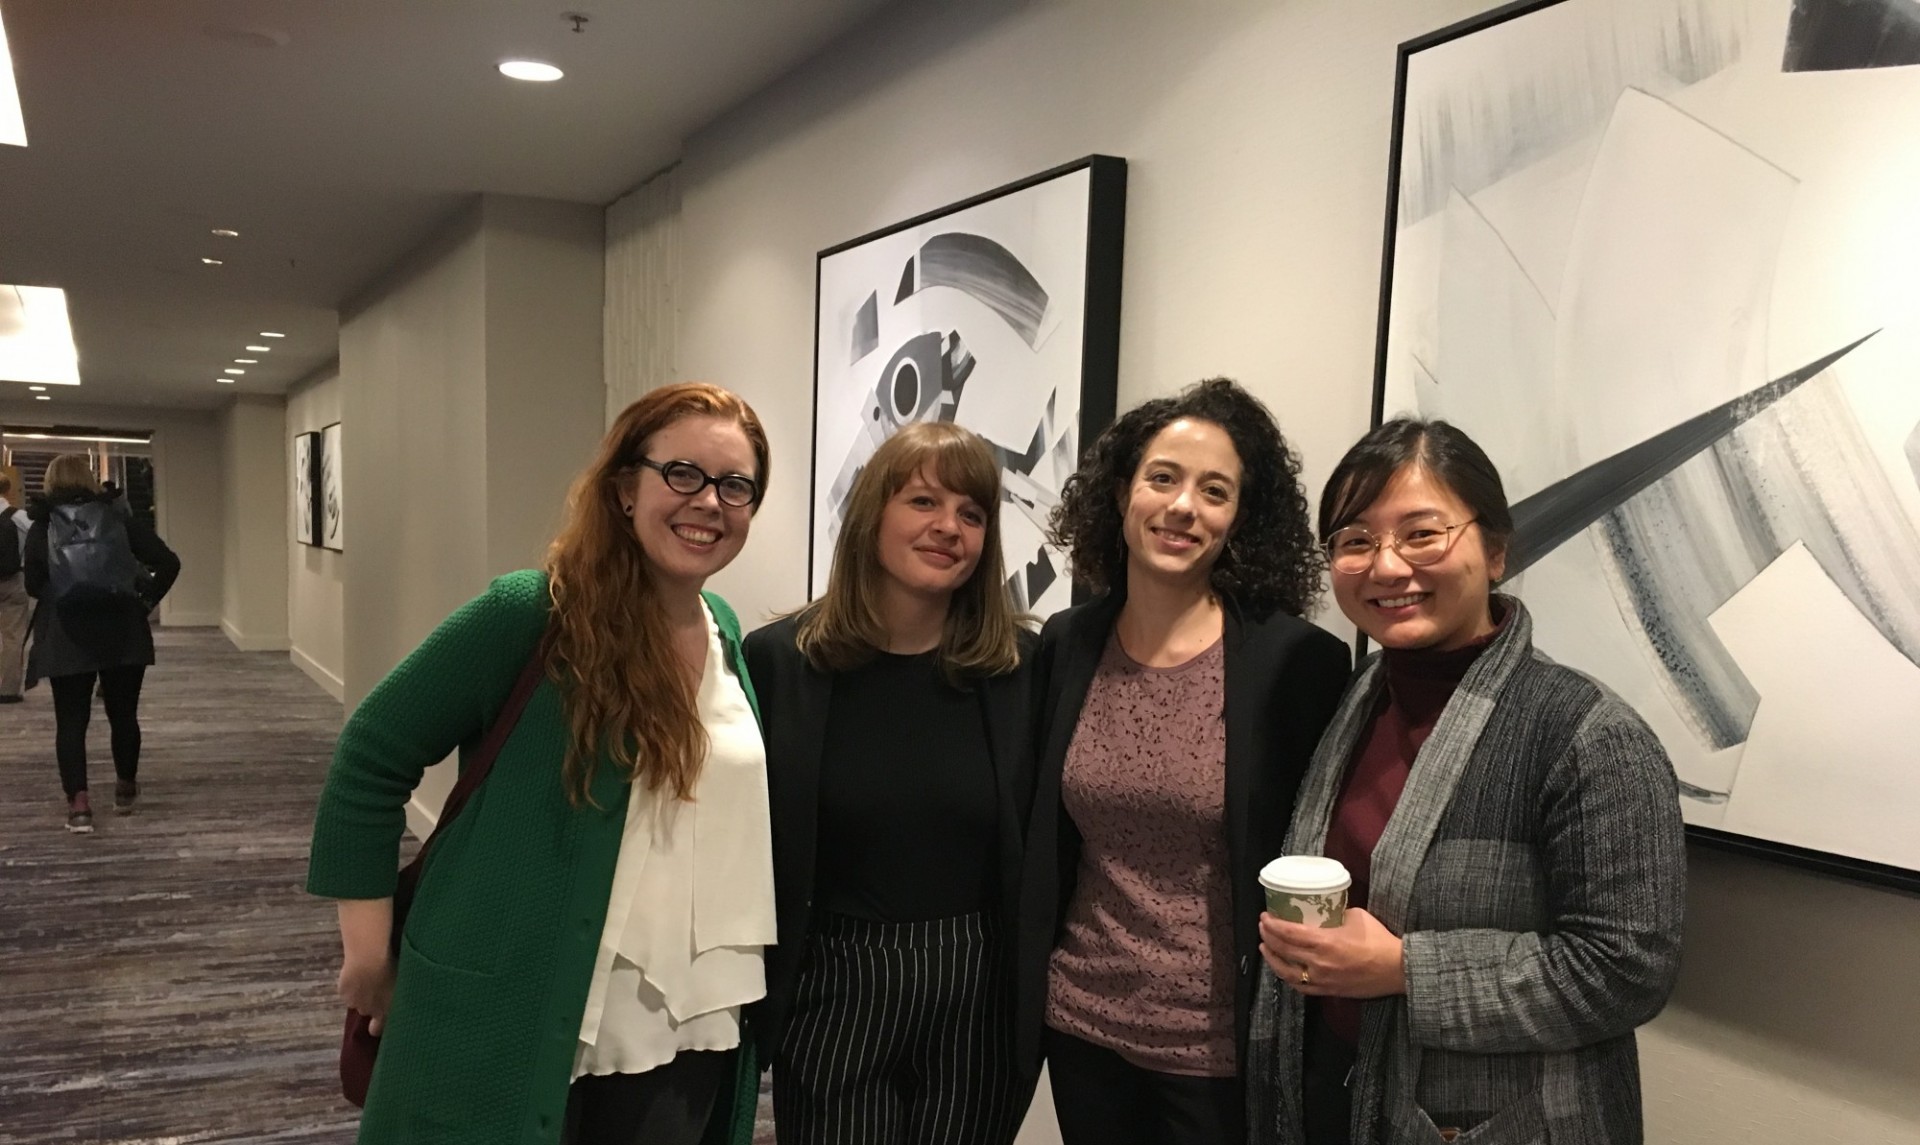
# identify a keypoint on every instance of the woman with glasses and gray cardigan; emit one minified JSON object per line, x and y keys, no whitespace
{"x":1513,"y":832}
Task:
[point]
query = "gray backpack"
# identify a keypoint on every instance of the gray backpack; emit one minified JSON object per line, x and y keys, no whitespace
{"x":89,"y":558}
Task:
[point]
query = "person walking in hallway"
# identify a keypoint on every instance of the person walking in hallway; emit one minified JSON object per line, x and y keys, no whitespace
{"x":899,"y":757}
{"x":586,"y":932}
{"x":16,"y":605}
{"x":98,"y":574}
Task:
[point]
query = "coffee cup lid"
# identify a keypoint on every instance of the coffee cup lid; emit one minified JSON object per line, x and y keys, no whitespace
{"x":1306,"y":873}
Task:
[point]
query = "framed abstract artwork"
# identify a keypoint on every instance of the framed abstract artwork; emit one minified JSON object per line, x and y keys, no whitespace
{"x":1660,"y":258}
{"x":332,"y":514}
{"x":306,"y":488}
{"x":1000,"y":313}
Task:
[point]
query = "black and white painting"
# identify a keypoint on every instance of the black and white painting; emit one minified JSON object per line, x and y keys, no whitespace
{"x":1662,"y":259}
{"x":306,"y":488}
{"x":332,"y":520}
{"x":1000,"y":313}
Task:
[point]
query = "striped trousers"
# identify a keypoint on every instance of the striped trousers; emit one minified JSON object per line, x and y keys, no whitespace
{"x":901,"y":1034}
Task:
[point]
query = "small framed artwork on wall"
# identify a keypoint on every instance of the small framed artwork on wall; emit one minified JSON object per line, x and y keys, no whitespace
{"x":1000,"y":313}
{"x":332,"y":516}
{"x":306,"y":488}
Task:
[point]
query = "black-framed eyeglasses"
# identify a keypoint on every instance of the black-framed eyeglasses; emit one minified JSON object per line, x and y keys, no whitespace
{"x":687,"y":479}
{"x":1421,"y":541}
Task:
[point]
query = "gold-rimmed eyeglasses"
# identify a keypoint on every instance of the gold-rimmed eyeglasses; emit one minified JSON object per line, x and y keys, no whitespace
{"x":1421,"y":541}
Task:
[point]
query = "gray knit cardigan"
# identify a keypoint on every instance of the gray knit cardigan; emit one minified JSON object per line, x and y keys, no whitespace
{"x":1535,"y":868}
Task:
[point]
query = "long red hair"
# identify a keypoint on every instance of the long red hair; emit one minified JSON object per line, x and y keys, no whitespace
{"x":625,"y":692}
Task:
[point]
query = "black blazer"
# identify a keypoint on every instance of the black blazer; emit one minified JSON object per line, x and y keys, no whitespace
{"x":794,"y":697}
{"x":1284,"y":678}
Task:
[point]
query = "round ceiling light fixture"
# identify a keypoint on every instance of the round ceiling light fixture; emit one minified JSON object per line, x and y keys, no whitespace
{"x":532,"y":71}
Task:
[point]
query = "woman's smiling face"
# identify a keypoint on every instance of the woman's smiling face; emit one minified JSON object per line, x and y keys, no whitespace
{"x":1444,"y":605}
{"x":1181,"y":505}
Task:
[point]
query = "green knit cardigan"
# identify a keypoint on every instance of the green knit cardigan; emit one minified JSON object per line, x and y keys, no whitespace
{"x":498,"y":950}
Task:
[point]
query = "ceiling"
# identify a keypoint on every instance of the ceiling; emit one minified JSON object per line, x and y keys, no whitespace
{"x":333,"y":135}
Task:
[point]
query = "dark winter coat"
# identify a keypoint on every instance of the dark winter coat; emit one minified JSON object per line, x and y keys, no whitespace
{"x":73,"y":641}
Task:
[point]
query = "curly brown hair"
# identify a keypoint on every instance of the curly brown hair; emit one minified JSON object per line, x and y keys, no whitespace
{"x":1270,"y":561}
{"x":625,"y":692}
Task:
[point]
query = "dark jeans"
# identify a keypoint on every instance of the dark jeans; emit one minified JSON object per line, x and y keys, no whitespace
{"x":73,"y":707}
{"x":1326,"y":1082}
{"x":667,"y":1105}
{"x":1102,"y":1098}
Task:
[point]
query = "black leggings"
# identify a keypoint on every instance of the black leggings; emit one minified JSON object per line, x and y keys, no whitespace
{"x":73,"y":707}
{"x":669,"y":1104}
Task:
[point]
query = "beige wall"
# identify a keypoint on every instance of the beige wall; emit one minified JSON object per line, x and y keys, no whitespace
{"x":315,"y":589}
{"x":253,"y":547}
{"x":546,"y":399}
{"x":189,"y":504}
{"x":1257,"y":137}
{"x":471,"y":393}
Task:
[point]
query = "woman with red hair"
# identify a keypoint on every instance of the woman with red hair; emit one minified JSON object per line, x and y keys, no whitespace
{"x":586,"y":931}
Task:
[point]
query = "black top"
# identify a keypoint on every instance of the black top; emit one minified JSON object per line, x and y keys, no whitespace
{"x":114,"y":634}
{"x":1284,"y":678}
{"x":909,"y":819}
{"x":794,"y":699}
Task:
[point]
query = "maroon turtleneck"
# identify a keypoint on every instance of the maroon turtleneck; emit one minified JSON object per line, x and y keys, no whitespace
{"x":1420,"y":681}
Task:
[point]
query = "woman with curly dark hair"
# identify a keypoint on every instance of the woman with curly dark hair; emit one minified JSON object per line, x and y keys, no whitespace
{"x":1178,"y":711}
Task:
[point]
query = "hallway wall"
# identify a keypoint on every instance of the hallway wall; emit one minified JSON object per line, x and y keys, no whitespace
{"x":1257,"y":138}
{"x":471,"y":393}
{"x":254,"y":556}
{"x":315,"y":592}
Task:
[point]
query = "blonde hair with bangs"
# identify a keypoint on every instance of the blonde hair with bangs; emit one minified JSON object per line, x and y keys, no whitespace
{"x":844,"y":628}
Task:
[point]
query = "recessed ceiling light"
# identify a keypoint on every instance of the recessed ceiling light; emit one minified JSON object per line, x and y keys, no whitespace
{"x":224,"y":381}
{"x":271,"y":334}
{"x":232,"y":371}
{"x":41,"y":398}
{"x":36,"y":339}
{"x":258,"y":349}
{"x":37,"y":389}
{"x":13,"y":126}
{"x":533,"y":71}
{"x":213,"y":262}
{"x":224,"y":233}
{"x":246,"y":361}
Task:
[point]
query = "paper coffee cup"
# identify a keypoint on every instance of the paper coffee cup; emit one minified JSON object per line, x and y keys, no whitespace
{"x":1309,"y":889}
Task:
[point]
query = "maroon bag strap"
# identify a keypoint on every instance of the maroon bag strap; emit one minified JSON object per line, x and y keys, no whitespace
{"x":481,"y":762}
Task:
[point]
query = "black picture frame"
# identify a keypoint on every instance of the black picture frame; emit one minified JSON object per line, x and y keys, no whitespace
{"x":330,"y":513}
{"x":1849,"y":867}
{"x":1099,"y":319}
{"x":306,"y":490}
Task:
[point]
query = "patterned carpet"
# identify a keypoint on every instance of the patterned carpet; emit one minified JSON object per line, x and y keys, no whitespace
{"x":165,"y":980}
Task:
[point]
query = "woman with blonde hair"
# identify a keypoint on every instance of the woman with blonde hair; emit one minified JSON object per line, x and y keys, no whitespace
{"x":897,"y":751}
{"x":585,"y":933}
{"x":98,"y":573}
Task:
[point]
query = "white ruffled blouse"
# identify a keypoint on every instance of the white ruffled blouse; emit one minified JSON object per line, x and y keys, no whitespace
{"x":692,"y":901}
